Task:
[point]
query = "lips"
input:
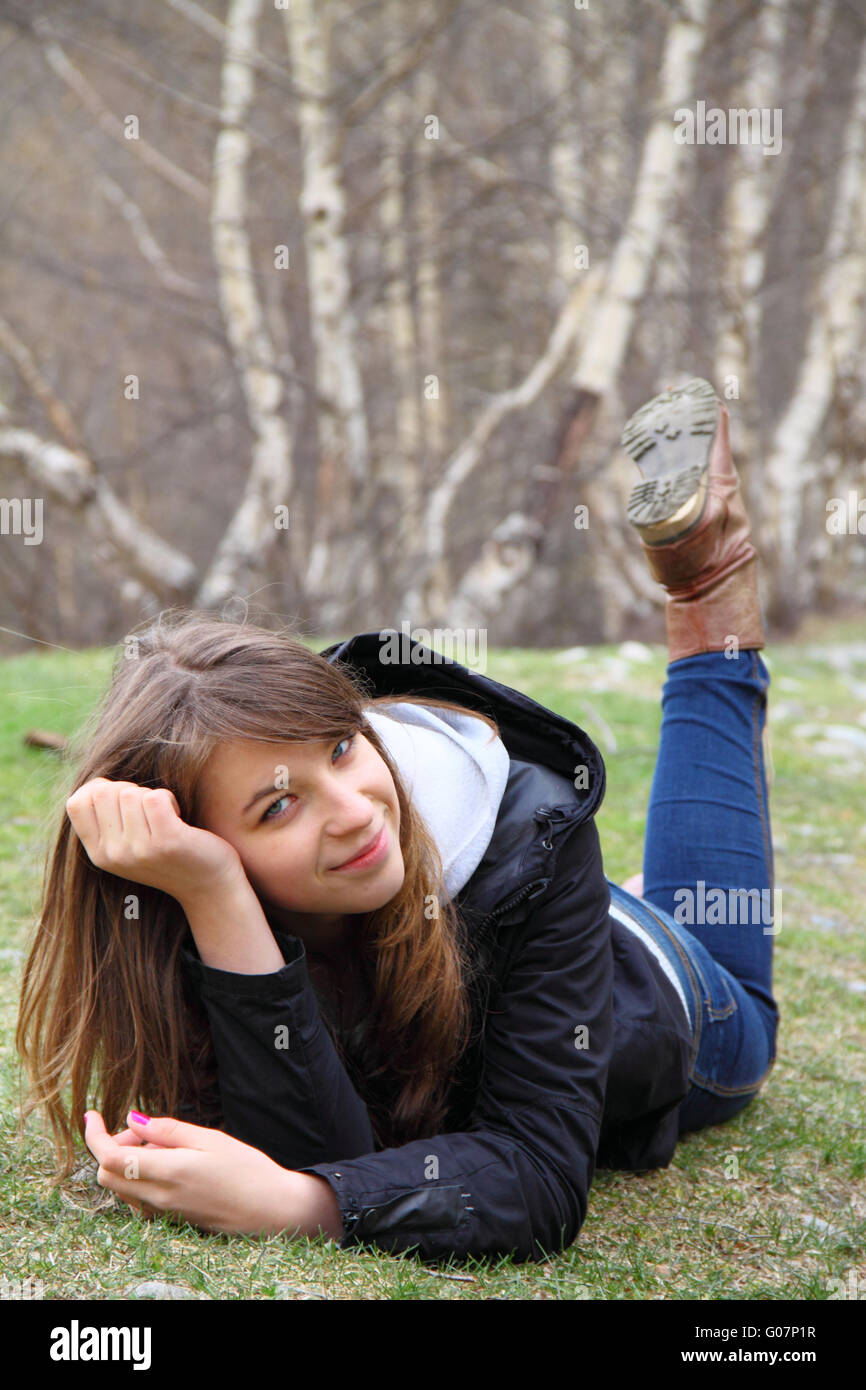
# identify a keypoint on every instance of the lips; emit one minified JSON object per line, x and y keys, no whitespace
{"x":365,"y":849}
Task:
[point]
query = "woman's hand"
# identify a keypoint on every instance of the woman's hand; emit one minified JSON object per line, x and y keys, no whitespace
{"x":137,"y":833}
{"x":208,"y":1178}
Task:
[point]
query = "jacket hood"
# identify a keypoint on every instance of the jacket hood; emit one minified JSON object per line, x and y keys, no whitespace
{"x":556,"y":773}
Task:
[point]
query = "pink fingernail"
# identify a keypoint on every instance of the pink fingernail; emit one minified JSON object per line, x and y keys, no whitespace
{"x":142,"y":1119}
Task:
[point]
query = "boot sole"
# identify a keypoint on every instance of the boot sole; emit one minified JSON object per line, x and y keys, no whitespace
{"x":670,"y":439}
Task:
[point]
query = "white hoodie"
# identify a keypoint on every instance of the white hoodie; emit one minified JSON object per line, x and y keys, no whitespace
{"x":455,"y":770}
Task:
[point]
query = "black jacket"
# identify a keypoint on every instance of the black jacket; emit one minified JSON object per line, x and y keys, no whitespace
{"x":585,"y":1055}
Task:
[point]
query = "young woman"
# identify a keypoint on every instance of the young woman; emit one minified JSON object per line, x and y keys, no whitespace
{"x":339,"y":922}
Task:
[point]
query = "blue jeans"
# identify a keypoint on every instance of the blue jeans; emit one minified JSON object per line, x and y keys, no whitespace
{"x":708,"y":876}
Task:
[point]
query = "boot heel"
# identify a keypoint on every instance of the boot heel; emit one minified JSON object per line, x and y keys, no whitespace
{"x":670,"y":439}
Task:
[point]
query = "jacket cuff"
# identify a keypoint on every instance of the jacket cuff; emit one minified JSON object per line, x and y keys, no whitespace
{"x":436,"y":1218}
{"x":291,"y":979}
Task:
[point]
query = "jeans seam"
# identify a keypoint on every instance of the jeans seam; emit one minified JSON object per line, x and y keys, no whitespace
{"x":756,"y":758}
{"x":716,"y":1089}
{"x":690,"y":968}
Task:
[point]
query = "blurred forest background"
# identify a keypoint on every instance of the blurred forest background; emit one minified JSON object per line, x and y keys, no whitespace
{"x":342,"y":307}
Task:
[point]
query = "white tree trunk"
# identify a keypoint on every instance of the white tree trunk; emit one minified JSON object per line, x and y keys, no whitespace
{"x":748,"y":205}
{"x":555,"y":36}
{"x":399,"y":468}
{"x":830,"y":347}
{"x":605,"y":345}
{"x":253,"y":530}
{"x":437,"y":407}
{"x":340,"y":552}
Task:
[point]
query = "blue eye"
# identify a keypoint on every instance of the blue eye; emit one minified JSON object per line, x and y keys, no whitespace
{"x":350,"y":739}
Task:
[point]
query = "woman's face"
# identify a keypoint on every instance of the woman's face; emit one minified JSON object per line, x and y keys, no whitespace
{"x":295,"y":813}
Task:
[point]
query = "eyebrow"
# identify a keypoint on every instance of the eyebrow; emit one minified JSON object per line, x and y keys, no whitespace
{"x":265,"y":791}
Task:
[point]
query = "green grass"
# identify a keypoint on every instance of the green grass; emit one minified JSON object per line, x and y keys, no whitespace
{"x":687,"y":1231}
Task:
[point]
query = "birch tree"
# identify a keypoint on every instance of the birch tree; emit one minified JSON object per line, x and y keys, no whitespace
{"x":436,"y":417}
{"x":748,"y":204}
{"x":263,"y":513}
{"x":399,"y":469}
{"x":831,"y":345}
{"x":631,"y":262}
{"x":340,"y":563}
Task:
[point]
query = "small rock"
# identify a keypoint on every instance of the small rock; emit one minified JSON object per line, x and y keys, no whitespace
{"x":293,"y":1291}
{"x":635,"y":651}
{"x":822,"y":923}
{"x":155,"y":1288}
{"x":836,"y":740}
{"x":822,"y":1226}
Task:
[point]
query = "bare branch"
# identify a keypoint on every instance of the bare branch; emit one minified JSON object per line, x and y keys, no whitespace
{"x":196,"y":14}
{"x":27,"y":369}
{"x":145,"y":240}
{"x":58,"y":61}
{"x":398,"y":65}
{"x":469,"y":455}
{"x":71,"y":478}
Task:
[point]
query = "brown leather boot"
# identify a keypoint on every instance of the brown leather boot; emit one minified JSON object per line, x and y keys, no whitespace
{"x":693,"y":527}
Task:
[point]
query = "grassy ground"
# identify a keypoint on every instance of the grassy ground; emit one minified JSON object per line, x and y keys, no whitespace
{"x":791,"y":1221}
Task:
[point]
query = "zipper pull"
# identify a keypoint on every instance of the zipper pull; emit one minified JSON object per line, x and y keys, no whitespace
{"x":546,"y":813}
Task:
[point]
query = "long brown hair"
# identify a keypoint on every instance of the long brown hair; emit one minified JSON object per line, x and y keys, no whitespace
{"x":100,"y":997}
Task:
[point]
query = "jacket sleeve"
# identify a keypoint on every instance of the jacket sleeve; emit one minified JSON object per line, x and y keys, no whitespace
{"x":516,"y":1182}
{"x":283,"y":1089}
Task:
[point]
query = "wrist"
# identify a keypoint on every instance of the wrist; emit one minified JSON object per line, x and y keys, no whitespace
{"x":230,"y":883}
{"x":230,"y":929}
{"x":306,"y":1206}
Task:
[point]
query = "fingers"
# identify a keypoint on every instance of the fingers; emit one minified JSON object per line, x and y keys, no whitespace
{"x":95,"y":1133}
{"x":161,"y":796}
{"x":129,"y":1139}
{"x":95,"y":812}
{"x":160,"y":810}
{"x":101,"y":805}
{"x":121,"y":1167}
{"x":126,"y":829}
{"x":133,"y":826}
{"x":82,"y":813}
{"x":141,"y":1208}
{"x":167,"y":1133}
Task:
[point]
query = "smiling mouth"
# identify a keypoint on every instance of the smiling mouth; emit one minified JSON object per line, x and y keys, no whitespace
{"x":367,"y":852}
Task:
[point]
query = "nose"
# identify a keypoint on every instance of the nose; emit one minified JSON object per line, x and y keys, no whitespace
{"x":348,"y":814}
